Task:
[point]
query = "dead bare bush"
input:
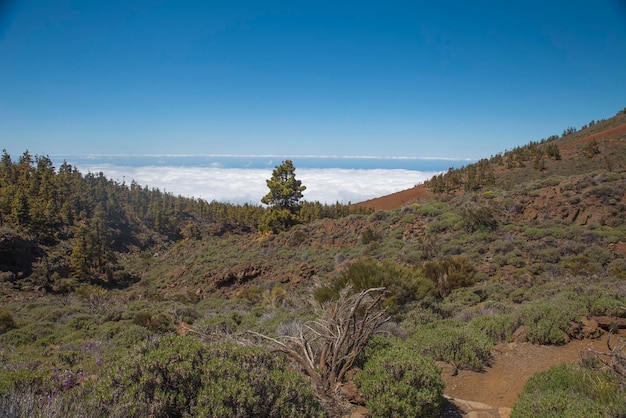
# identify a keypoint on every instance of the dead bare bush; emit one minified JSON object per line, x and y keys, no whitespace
{"x":613,"y":360}
{"x":327,"y":347}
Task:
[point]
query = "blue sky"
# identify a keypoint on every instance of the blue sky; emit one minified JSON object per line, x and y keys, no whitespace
{"x":453,"y":79}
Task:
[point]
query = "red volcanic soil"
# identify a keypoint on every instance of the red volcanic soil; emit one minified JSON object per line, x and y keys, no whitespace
{"x":418,"y":194}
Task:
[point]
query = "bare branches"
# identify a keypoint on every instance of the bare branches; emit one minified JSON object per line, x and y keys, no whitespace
{"x":328,"y":346}
{"x":614,"y":359}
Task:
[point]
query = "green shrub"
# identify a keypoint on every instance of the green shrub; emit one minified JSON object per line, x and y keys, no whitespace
{"x":375,"y":346}
{"x":181,"y":376}
{"x":154,"y":321}
{"x":6,"y":321}
{"x":122,"y":334}
{"x":464,"y":296}
{"x":247,"y":381}
{"x":403,"y":284}
{"x":420,"y":315}
{"x":433,"y":209}
{"x":370,"y":235}
{"x":450,"y":273}
{"x":453,"y":342}
{"x":447,"y":221}
{"x":18,"y":337}
{"x":548,"y":321}
{"x":29,"y":402}
{"x":571,"y":391}
{"x":400,"y":383}
{"x":497,"y":327}
{"x":21,"y":377}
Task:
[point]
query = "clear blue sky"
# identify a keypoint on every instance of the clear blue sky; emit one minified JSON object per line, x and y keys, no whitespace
{"x":463,"y":79}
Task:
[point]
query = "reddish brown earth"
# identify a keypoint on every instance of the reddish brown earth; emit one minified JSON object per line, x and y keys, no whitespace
{"x":420,"y":194}
{"x":513,"y":364}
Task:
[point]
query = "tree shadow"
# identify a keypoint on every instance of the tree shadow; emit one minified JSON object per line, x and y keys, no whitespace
{"x":450,"y":410}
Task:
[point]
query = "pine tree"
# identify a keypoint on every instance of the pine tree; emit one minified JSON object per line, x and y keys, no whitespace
{"x":283,"y":198}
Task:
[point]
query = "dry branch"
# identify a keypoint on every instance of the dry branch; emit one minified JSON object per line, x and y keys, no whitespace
{"x":328,"y":346}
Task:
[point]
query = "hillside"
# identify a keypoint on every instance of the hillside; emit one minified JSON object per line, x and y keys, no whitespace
{"x":607,"y":137}
{"x":119,"y":300}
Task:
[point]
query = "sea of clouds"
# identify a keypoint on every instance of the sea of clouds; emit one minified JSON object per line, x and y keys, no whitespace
{"x":242,"y":185}
{"x":242,"y":178}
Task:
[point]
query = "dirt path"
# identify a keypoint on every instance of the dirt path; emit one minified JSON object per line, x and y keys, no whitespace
{"x":513,"y":364}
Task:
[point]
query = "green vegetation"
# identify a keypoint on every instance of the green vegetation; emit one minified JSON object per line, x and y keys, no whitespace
{"x":400,"y":383}
{"x":402,"y":284}
{"x":122,"y":300}
{"x":181,"y":376}
{"x":283,"y":198}
{"x":571,"y":391}
{"x":454,"y":343}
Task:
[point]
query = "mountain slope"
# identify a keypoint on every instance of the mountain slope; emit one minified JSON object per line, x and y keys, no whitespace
{"x":600,"y":145}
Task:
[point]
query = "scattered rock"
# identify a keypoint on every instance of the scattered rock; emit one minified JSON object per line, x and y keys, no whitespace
{"x":238,"y":275}
{"x":350,"y":390}
{"x":471,"y":409}
{"x":520,"y":335}
{"x":590,"y":326}
{"x":359,"y":412}
{"x":606,"y":322}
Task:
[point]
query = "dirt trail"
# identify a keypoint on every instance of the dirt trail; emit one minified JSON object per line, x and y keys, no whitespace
{"x":513,"y":364}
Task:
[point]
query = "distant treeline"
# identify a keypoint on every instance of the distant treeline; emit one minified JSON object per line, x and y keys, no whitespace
{"x":101,"y":217}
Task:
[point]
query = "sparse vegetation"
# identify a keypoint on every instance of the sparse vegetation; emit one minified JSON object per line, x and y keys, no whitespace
{"x":97,"y":279}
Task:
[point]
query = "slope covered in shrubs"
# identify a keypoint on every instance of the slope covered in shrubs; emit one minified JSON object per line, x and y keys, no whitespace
{"x":114,"y":298}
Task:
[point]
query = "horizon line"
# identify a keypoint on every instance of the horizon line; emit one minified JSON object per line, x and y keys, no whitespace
{"x":331,"y":156}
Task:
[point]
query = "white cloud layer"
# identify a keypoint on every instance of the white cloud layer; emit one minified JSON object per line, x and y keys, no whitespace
{"x":239,"y":185}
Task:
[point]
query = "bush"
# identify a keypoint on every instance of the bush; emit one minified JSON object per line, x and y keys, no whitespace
{"x":181,"y":376}
{"x":18,"y":337}
{"x":450,"y":273}
{"x":571,"y":391}
{"x":402,"y":284}
{"x":400,"y":383}
{"x":6,"y":321}
{"x":30,"y":402}
{"x":497,"y":327}
{"x":370,"y":235}
{"x":453,"y":342}
{"x":549,"y":321}
{"x":247,"y":381}
{"x":154,"y":321}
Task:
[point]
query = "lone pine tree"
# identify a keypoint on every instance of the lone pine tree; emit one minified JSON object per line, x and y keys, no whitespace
{"x":283,"y":198}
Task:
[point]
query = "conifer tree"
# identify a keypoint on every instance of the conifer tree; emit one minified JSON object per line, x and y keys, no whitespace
{"x":283,"y":198}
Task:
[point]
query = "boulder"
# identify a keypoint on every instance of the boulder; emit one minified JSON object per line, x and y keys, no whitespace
{"x":520,"y":335}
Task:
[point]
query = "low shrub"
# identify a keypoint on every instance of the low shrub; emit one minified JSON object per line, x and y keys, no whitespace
{"x":6,"y":321}
{"x":181,"y":376}
{"x":497,"y":327}
{"x":450,"y":273}
{"x":403,"y":284}
{"x":454,"y":342}
{"x":548,"y":321}
{"x":400,"y":383}
{"x":154,"y":321}
{"x":420,"y":315}
{"x":17,"y":337}
{"x":30,"y":402}
{"x":571,"y":391}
